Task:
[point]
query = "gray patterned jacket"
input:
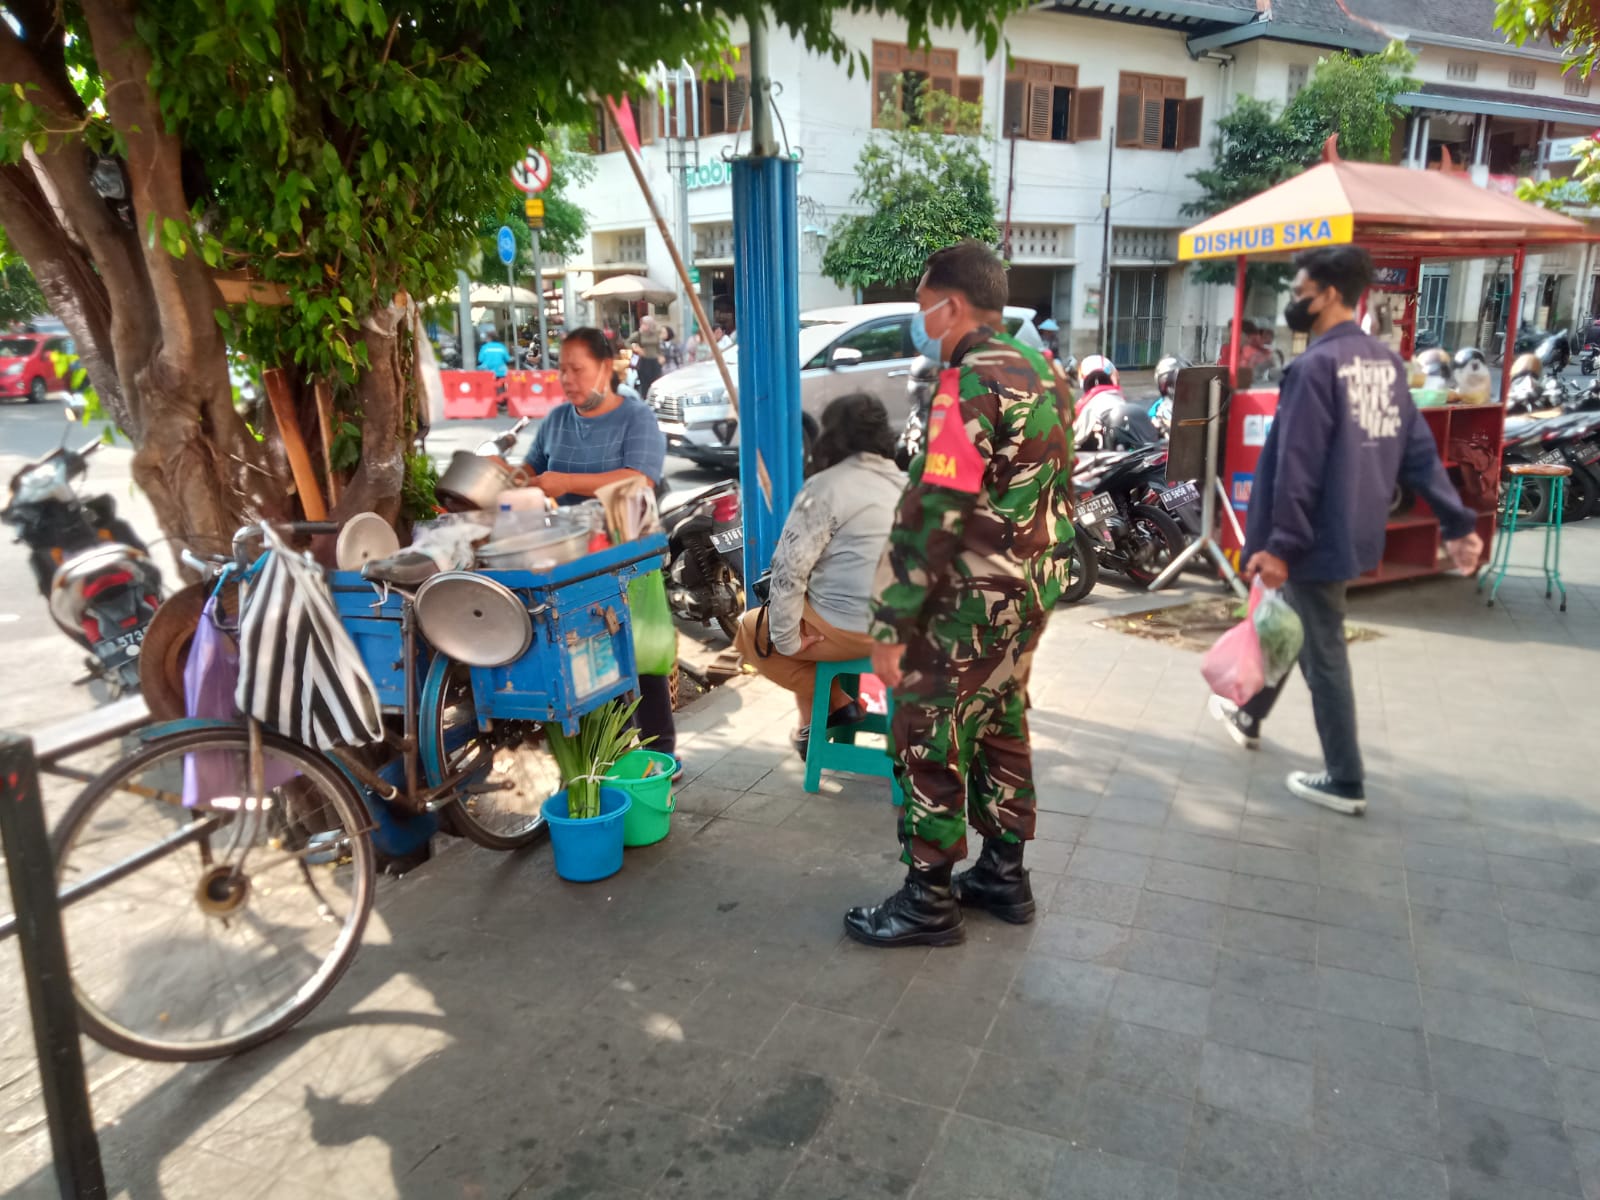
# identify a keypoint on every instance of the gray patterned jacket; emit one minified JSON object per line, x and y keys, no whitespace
{"x":828,"y":552}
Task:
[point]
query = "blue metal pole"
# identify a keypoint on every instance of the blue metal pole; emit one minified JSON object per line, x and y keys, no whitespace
{"x":766,"y":296}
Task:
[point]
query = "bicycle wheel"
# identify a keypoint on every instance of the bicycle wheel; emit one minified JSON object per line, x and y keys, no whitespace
{"x":509,"y":770}
{"x":194,"y":933}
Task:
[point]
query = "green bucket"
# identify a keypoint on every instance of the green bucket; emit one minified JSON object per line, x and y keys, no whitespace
{"x":649,"y":818}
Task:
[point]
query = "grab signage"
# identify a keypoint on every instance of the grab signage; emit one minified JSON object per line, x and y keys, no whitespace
{"x":1286,"y":236}
{"x":718,"y":173}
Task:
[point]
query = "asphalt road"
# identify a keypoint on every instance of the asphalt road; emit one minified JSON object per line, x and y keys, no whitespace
{"x":38,"y":687}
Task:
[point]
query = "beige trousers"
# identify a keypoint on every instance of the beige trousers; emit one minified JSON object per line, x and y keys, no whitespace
{"x":797,"y":672}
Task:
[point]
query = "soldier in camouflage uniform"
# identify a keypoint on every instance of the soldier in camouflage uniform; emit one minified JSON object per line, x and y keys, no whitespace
{"x":978,"y":556}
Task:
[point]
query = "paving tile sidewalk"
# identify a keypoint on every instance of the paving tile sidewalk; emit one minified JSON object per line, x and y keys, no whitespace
{"x":1228,"y":995}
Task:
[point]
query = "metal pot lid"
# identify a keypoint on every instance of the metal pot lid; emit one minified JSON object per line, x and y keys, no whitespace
{"x":473,"y":619}
{"x":365,"y":536}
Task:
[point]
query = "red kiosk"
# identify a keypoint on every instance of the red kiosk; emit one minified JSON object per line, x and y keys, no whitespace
{"x":1403,"y":217}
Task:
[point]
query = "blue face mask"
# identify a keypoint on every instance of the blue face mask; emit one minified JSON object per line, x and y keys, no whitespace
{"x":927,"y":345}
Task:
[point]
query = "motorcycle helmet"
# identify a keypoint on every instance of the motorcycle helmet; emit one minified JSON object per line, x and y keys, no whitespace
{"x":1167,"y":373}
{"x":1474,"y":379}
{"x":1097,"y":362}
{"x":1527,"y":364}
{"x":1437,"y":369}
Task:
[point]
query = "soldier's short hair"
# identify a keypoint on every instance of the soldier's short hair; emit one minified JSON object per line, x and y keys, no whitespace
{"x":971,"y":268}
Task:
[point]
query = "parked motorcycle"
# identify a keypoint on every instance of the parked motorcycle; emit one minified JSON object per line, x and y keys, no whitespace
{"x":1586,"y":357}
{"x":920,"y":383}
{"x":1132,"y":537}
{"x":1572,"y":440}
{"x":90,"y":566}
{"x":1554,"y":351}
{"x":705,"y":557}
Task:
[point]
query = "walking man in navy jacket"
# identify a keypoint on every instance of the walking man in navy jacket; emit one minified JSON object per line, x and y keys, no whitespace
{"x":1345,"y":432}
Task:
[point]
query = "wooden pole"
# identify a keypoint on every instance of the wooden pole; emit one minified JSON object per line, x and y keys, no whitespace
{"x":294,"y":446}
{"x":324,"y":396}
{"x":632,"y":156}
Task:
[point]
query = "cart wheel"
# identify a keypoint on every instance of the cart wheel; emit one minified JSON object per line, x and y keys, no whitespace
{"x":511,"y":774}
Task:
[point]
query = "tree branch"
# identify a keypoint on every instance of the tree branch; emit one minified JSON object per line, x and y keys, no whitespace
{"x":75,"y":292}
{"x":184,"y":293}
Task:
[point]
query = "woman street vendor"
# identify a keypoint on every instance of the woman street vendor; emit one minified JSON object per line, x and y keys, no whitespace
{"x":601,"y":437}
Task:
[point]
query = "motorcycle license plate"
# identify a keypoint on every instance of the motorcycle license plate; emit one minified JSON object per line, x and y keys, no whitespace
{"x":727,"y":540}
{"x":1587,"y":451}
{"x":1551,"y":458}
{"x":1179,"y":496}
{"x":1096,"y":508}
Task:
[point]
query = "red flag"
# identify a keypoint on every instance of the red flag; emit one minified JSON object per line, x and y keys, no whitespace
{"x":622,"y":116}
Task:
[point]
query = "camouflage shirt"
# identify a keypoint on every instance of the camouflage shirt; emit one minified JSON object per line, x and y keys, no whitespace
{"x":980,"y":541}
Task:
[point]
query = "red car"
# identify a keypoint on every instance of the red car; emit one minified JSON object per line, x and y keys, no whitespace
{"x":28,"y":367}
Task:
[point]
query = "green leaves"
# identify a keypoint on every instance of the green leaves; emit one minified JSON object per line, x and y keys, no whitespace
{"x":1573,"y":25}
{"x":923,"y":188}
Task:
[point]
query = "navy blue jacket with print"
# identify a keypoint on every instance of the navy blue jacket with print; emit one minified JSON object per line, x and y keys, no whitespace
{"x":1345,"y":432}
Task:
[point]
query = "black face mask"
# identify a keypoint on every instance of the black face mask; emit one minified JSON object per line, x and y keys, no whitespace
{"x":1298,"y":315}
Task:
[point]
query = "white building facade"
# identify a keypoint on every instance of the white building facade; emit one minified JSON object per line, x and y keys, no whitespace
{"x":1092,"y":86}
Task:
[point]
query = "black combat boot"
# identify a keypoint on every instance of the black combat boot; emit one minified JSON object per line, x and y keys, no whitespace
{"x":997,"y":882}
{"x":921,"y":913}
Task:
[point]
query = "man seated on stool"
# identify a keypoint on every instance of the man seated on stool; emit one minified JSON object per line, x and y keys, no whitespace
{"x":822,"y":571}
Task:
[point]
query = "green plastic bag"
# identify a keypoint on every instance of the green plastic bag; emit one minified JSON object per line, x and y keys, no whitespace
{"x":655,"y":637}
{"x":1280,"y":633}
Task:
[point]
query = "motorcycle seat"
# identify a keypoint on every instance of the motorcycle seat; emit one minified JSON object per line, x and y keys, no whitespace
{"x":406,"y":570}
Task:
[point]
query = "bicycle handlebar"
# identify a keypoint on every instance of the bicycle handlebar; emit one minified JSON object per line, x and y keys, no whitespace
{"x":251,"y":533}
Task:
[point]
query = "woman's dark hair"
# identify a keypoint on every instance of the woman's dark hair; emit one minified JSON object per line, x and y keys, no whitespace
{"x":599,"y":346}
{"x":1096,"y":379}
{"x":1345,"y":269}
{"x":853,"y":424}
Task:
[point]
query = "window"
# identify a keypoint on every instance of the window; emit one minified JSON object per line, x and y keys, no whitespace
{"x":605,"y":137}
{"x":1461,"y":71}
{"x":1524,"y":78}
{"x":1153,"y":114}
{"x":721,"y":105}
{"x":1044,"y":103}
{"x":900,"y":75}
{"x":1577,"y":85}
{"x":1298,"y":74}
{"x":879,"y":342}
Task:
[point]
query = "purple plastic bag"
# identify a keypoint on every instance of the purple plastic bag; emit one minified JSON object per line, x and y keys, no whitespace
{"x":209,"y":679}
{"x":1233,"y":666}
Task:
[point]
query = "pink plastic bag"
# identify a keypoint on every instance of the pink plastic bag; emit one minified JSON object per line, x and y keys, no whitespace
{"x":209,"y":679}
{"x":1233,"y":666}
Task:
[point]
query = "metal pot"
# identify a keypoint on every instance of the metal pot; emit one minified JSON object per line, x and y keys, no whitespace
{"x":473,"y":481}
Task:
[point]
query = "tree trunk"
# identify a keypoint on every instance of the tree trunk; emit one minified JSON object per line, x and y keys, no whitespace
{"x":381,"y":392}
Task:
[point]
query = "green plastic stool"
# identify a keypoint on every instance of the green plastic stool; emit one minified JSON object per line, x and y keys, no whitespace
{"x":836,"y":749}
{"x":1558,"y":476}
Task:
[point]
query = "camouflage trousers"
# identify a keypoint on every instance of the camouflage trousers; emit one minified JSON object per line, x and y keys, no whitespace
{"x":960,"y":742}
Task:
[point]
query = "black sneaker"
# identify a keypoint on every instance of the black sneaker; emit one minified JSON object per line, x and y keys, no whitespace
{"x":1347,"y":798}
{"x":1242,"y":729}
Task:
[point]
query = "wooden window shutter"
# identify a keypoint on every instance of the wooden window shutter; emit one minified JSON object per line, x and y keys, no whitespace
{"x":1016,"y":96}
{"x":1064,"y":76}
{"x":1172,"y":89}
{"x":943,"y":83}
{"x":1150,"y":130}
{"x":1193,"y":122}
{"x":942,"y":62}
{"x":1040,"y":96}
{"x":971,"y":89}
{"x":644,"y":118}
{"x":1130,"y":112}
{"x":1087,"y":104}
{"x":1038,"y":72}
{"x":738,"y":109}
{"x":886,"y":57}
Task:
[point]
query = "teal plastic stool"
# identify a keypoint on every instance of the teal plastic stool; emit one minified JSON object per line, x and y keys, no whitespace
{"x":836,"y":749}
{"x":1558,"y":476}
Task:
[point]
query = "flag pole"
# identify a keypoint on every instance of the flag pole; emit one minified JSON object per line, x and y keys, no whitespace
{"x":622,"y":116}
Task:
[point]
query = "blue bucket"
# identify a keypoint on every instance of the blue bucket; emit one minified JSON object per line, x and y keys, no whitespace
{"x":590,"y":849}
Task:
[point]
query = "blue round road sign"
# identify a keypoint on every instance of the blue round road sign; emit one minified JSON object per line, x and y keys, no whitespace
{"x":506,"y":242}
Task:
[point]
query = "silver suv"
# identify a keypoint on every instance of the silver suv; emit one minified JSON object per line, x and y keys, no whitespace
{"x":856,"y":348}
